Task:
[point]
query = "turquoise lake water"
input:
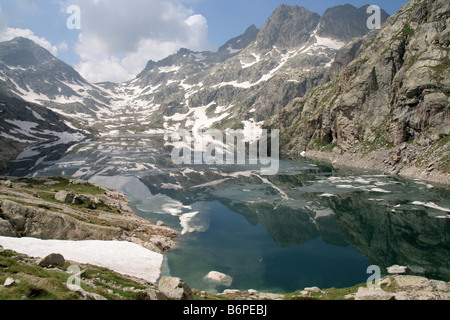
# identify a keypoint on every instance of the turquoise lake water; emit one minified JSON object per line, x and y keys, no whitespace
{"x":310,"y":225}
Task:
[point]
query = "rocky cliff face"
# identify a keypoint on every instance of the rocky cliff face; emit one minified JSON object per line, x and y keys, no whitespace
{"x":390,"y":104}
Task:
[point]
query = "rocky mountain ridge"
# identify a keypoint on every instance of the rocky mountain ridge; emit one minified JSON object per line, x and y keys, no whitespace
{"x":250,"y":77}
{"x":388,"y":107}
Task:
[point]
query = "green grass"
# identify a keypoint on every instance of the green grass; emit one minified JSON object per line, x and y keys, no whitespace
{"x":63,"y":184}
{"x":405,"y":33}
{"x":47,"y":193}
{"x":408,"y":31}
{"x":88,"y":205}
{"x":37,"y":283}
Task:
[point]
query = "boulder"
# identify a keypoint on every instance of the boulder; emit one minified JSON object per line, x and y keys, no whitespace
{"x":219,"y":278}
{"x":160,"y":224}
{"x":313,"y":289}
{"x":175,"y":289}
{"x":79,"y":199}
{"x":149,"y":294}
{"x":6,"y":229}
{"x":396,"y":269}
{"x":78,"y":182}
{"x":65,"y":196}
{"x":52,"y":260}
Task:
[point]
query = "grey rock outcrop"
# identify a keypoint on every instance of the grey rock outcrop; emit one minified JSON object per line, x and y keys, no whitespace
{"x":65,"y":196}
{"x":407,"y":288}
{"x":38,"y":223}
{"x":6,"y":229}
{"x":175,"y":289}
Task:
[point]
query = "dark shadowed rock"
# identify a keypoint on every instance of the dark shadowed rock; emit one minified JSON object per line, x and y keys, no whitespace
{"x":52,"y":260}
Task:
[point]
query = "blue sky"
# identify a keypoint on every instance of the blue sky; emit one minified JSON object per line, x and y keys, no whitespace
{"x":117,"y":37}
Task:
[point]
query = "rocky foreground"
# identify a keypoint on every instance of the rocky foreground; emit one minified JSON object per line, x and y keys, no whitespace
{"x":69,"y":209}
{"x":53,"y":278}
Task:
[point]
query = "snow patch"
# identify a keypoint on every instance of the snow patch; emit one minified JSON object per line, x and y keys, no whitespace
{"x":430,"y":205}
{"x":169,"y":69}
{"x":329,"y":43}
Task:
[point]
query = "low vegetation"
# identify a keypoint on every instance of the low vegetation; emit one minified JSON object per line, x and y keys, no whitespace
{"x":32,"y":282}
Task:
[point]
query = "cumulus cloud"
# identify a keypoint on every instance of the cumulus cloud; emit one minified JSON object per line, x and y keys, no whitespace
{"x":7,"y":33}
{"x":118,"y":37}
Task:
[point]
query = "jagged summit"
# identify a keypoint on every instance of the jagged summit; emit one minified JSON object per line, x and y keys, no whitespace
{"x":204,"y":59}
{"x":242,"y":41}
{"x":346,"y":22}
{"x":23,"y":52}
{"x":287,"y":27}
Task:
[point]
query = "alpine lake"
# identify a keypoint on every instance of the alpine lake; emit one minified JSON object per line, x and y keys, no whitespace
{"x":309,"y":225}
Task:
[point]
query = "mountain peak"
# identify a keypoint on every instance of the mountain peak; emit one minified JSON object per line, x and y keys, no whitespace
{"x":288,"y":26}
{"x":242,"y":41}
{"x":346,"y":22}
{"x":23,"y":52}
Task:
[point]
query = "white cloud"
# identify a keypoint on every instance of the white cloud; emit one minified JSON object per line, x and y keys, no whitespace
{"x":118,"y":37}
{"x":63,"y":46}
{"x":7,"y":33}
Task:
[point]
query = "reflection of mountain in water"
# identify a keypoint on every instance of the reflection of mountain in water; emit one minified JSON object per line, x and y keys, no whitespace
{"x":293,"y":227}
{"x":289,"y":225}
{"x":387,"y":232}
{"x":408,"y":236}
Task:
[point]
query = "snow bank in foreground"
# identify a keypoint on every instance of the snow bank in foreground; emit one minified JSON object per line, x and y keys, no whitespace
{"x":122,"y":257}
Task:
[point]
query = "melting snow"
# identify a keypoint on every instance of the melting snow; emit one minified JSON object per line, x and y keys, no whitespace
{"x":329,"y":43}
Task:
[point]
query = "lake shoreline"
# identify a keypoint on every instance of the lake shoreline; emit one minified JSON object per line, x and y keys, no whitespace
{"x":372,"y":162}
